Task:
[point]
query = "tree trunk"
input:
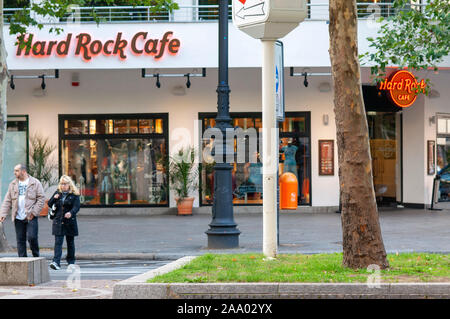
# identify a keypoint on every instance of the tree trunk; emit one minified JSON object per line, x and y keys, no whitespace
{"x":362,"y":240}
{"x":4,"y":246}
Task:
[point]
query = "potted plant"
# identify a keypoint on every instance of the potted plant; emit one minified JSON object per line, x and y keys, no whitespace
{"x":40,"y":166}
{"x":183,"y":174}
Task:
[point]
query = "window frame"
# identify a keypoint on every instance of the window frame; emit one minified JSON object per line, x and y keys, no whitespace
{"x":233,"y":115}
{"x":115,"y":116}
{"x":9,"y":118}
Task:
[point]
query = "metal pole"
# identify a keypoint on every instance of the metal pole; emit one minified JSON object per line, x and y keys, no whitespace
{"x":278,"y":186}
{"x":270,"y":150}
{"x":223,"y":233}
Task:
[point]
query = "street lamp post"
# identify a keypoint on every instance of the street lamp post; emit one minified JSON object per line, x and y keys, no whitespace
{"x":223,"y":232}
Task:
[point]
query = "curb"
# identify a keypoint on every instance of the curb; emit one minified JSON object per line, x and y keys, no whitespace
{"x":175,"y":256}
{"x":110,"y":256}
{"x":137,"y":288}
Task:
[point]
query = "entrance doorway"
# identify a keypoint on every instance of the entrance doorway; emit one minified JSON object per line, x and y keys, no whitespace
{"x":384,"y":121}
{"x":385,"y":144}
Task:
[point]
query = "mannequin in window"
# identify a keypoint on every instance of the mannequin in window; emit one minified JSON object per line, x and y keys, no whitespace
{"x":208,"y":164}
{"x":290,"y":163}
{"x":253,"y":172}
{"x":106,"y":187}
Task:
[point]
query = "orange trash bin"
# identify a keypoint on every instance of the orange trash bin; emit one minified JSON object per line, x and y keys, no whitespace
{"x":288,"y":191}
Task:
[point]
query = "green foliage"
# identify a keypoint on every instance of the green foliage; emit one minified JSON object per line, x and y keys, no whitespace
{"x":41,"y":167}
{"x":417,"y":38}
{"x":326,"y":268}
{"x":15,"y":3}
{"x":21,"y":20}
{"x":183,"y":172}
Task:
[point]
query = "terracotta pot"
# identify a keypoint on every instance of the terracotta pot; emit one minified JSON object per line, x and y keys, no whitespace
{"x":185,"y":206}
{"x":44,"y":210}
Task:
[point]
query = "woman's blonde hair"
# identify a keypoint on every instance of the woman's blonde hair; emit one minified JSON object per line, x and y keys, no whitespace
{"x":66,"y":179}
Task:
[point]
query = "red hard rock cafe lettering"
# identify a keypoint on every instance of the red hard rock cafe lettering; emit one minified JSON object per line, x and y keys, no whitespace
{"x":402,"y":87}
{"x":87,"y":47}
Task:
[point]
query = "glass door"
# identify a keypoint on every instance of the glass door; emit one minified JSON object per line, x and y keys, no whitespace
{"x":15,"y":148}
{"x":385,"y":149}
{"x":443,"y":157}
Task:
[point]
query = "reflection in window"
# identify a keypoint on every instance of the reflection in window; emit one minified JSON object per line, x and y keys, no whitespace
{"x":125,"y":126}
{"x":76,"y":127}
{"x":115,"y":169}
{"x":146,"y":126}
{"x":247,"y":176}
{"x":293,"y":125}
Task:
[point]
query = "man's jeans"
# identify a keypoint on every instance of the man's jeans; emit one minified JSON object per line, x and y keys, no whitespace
{"x":27,"y":230}
{"x":70,"y":249}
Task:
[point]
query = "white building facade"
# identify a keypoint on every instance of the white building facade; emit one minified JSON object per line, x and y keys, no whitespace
{"x":114,"y":129}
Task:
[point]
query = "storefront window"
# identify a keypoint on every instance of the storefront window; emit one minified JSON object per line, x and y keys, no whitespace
{"x":15,"y":148}
{"x":127,"y":167}
{"x":443,"y":156}
{"x":443,"y":152}
{"x":125,"y":126}
{"x":76,"y":127}
{"x":247,"y":174}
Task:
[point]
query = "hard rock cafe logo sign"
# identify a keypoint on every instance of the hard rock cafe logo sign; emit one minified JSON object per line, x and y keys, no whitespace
{"x":402,"y":87}
{"x":87,"y":47}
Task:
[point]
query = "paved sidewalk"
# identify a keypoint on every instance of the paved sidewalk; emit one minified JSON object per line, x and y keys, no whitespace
{"x":58,"y":289}
{"x":171,"y":237}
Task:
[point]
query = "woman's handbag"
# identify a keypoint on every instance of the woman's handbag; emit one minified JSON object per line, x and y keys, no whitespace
{"x":51,"y":212}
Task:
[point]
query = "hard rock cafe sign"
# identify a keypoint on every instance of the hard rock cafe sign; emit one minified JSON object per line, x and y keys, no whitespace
{"x":402,"y":87}
{"x":85,"y":46}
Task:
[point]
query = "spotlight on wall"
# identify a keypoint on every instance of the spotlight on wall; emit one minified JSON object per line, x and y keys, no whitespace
{"x":305,"y":81}
{"x":43,"y":76}
{"x":305,"y":74}
{"x":188,"y":82}
{"x":43,"y":82}
{"x":158,"y":84}
{"x":173,"y":75}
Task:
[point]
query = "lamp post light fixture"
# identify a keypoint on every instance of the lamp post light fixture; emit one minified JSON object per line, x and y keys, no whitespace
{"x":223,"y":232}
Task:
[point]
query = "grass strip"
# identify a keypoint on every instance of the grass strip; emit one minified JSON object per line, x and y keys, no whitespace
{"x":317,"y":268}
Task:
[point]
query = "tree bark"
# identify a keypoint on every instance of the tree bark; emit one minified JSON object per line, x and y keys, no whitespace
{"x":362,"y":240}
{"x":4,"y":246}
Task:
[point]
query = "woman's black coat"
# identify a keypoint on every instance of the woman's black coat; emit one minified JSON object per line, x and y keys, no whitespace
{"x":61,"y":225}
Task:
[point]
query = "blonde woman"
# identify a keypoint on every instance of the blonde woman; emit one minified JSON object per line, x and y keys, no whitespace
{"x":66,"y":202}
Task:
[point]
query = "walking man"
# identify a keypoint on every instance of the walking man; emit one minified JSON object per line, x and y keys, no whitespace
{"x":26,"y":198}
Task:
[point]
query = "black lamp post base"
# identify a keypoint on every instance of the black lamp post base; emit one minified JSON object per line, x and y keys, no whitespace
{"x":220,"y":239}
